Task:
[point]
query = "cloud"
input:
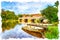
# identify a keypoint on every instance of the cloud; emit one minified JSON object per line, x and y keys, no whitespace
{"x":31,"y":7}
{"x":27,"y":6}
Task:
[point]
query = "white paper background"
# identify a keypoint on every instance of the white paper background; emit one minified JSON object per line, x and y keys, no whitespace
{"x":29,"y":1}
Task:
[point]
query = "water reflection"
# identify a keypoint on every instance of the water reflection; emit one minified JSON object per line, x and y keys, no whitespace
{"x":16,"y":32}
{"x":7,"y":25}
{"x":13,"y":29}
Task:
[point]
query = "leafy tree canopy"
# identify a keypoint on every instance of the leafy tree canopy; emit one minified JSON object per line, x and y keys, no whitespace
{"x":51,"y":12}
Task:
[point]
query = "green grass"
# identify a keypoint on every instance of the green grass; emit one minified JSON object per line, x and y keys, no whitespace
{"x":52,"y":32}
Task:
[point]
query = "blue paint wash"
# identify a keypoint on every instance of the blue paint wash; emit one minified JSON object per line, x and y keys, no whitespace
{"x":17,"y":32}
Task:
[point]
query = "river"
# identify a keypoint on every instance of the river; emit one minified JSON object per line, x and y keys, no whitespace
{"x":16,"y":32}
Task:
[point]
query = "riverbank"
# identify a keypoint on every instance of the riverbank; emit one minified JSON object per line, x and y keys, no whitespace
{"x":51,"y":32}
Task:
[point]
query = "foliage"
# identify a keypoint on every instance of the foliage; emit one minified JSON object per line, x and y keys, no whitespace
{"x":52,"y":32}
{"x":8,"y":15}
{"x":9,"y":19}
{"x":51,"y":13}
{"x":20,"y":15}
{"x":56,"y":3}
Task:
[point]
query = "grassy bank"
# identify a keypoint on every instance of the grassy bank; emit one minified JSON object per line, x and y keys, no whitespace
{"x":52,"y":32}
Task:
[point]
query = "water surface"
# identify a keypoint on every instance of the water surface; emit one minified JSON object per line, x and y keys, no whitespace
{"x":16,"y":32}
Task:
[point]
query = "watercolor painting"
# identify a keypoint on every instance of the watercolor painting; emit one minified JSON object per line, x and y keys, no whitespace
{"x":30,"y":19}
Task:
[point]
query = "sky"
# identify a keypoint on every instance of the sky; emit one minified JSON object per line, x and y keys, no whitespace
{"x":26,"y":6}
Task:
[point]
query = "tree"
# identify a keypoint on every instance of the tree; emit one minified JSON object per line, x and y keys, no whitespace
{"x":56,"y":3}
{"x":20,"y":15}
{"x":8,"y":15}
{"x":51,"y":13}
